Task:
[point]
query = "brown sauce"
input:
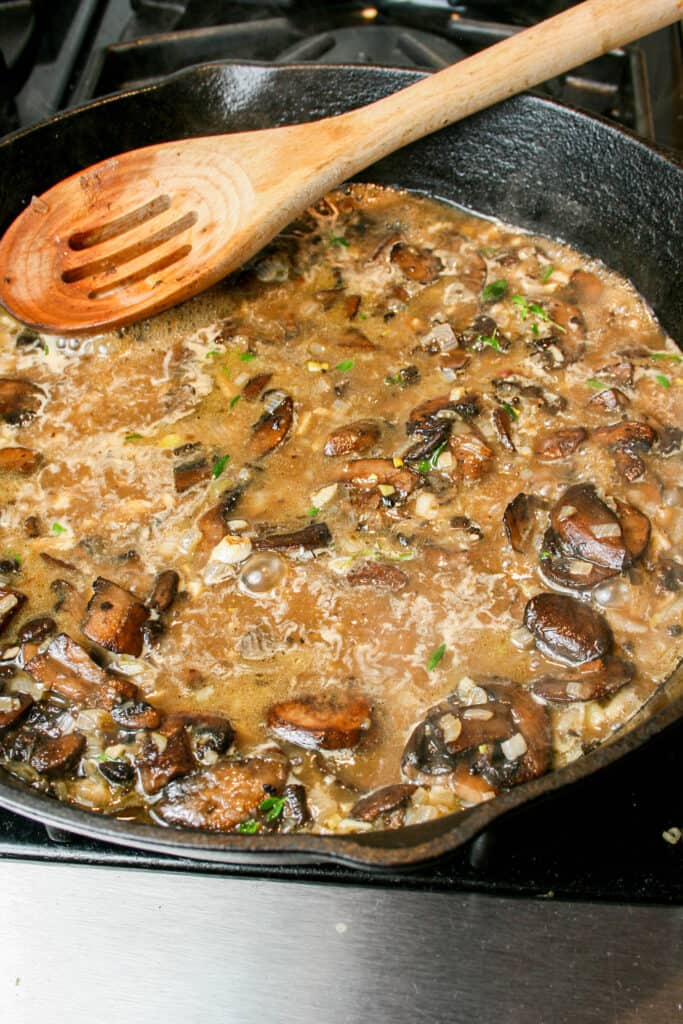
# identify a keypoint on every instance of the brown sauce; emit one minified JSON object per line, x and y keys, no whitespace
{"x":389,"y":378}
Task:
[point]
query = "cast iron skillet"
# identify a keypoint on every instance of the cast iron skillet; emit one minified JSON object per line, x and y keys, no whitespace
{"x":529,"y":161}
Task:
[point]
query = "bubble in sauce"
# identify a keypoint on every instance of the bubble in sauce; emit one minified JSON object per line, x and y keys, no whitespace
{"x":262,"y":573}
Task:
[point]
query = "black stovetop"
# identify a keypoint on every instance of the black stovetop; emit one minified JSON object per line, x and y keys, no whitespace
{"x":602,"y":839}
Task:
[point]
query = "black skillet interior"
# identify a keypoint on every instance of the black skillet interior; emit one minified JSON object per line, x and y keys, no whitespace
{"x":529,"y":161}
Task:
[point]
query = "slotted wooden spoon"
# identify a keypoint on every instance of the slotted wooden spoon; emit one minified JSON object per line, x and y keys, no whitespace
{"x":140,"y":232}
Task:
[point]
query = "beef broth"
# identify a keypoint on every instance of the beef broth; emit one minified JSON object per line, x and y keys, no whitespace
{"x":381,"y":526}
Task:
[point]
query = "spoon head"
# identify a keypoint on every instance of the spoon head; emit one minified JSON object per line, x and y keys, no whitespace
{"x":127,"y":238}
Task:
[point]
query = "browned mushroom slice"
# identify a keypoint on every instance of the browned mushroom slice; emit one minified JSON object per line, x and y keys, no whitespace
{"x":53,"y":756}
{"x":586,"y":287}
{"x":66,"y":668}
{"x":164,"y":591}
{"x":417,"y":264}
{"x":296,"y":804}
{"x":597,"y":680}
{"x":206,"y":732}
{"x":632,"y":435}
{"x":190,"y":474}
{"x":37,"y":629}
{"x":368,"y":473}
{"x":312,"y":537}
{"x":136,"y":714}
{"x":13,"y":707}
{"x":255,"y":386}
{"x":355,"y":340}
{"x":19,"y":460}
{"x":383,"y":801}
{"x":163,"y":758}
{"x":475,"y":725}
{"x":456,"y":359}
{"x":629,"y":464}
{"x":272,"y":428}
{"x":19,"y":401}
{"x":587,"y":528}
{"x":431,"y":414}
{"x":566,"y":572}
{"x":473,"y":457}
{"x":222,"y":796}
{"x":213,"y":524}
{"x":114,"y":618}
{"x":567,"y":630}
{"x":358,"y":437}
{"x":559,"y":444}
{"x":428,"y":443}
{"x":10,"y":603}
{"x":635,"y":527}
{"x":502,"y":422}
{"x":532,"y":721}
{"x":519,"y":520}
{"x":316,"y":725}
{"x":511,"y":384}
{"x":377,"y":574}
{"x":670,"y":441}
{"x":611,"y":399}
{"x":351,"y":305}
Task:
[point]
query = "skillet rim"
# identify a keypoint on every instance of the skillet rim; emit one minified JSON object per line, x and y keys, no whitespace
{"x":376,"y":851}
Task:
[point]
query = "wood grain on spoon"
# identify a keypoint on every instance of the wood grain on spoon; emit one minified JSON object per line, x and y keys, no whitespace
{"x":138,"y":233}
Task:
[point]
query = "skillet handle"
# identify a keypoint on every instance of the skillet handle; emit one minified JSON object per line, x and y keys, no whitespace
{"x":509,"y":67}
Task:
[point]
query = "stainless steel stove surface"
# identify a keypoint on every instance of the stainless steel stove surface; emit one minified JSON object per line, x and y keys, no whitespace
{"x":440,"y":943}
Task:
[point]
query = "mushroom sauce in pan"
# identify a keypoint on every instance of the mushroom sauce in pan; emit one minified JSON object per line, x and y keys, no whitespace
{"x":378,"y":528}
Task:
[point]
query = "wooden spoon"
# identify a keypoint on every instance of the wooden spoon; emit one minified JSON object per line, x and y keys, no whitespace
{"x":140,"y":232}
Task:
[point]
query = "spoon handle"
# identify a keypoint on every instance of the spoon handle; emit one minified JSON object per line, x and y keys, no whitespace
{"x":520,"y":62}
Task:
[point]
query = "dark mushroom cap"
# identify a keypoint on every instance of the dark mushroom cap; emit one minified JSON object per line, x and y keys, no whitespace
{"x":566,"y":629}
{"x":587,"y":528}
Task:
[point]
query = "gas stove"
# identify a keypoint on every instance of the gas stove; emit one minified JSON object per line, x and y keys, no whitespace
{"x":608,"y":839}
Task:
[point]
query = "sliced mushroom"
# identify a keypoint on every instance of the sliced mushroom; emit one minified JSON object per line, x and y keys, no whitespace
{"x":208,"y":734}
{"x":10,"y":603}
{"x":428,"y":443}
{"x":255,"y":386}
{"x":66,"y":668}
{"x":559,"y":444}
{"x":317,"y":725}
{"x":19,"y":401}
{"x":272,"y":428}
{"x":369,"y":473}
{"x":567,"y":630}
{"x":629,"y":464}
{"x":377,"y":574}
{"x":136,"y":714}
{"x":213,"y":524}
{"x":382,"y":801}
{"x":13,"y":707}
{"x":566,"y":572}
{"x":164,"y":591}
{"x":585,"y":287}
{"x":519,"y":520}
{"x":635,"y":527}
{"x":597,"y":680}
{"x":163,"y":758}
{"x":587,"y":528}
{"x":455,"y":360}
{"x":311,"y":538}
{"x":511,"y":384}
{"x":632,"y":435}
{"x":19,"y":460}
{"x":359,"y":436}
{"x":37,"y":629}
{"x":54,"y":756}
{"x":114,"y":618}
{"x":190,"y":474}
{"x":502,"y":422}
{"x":220,"y":797}
{"x":533,"y":723}
{"x":117,"y":773}
{"x":611,"y":399}
{"x":296,"y":805}
{"x":670,"y":441}
{"x":473,"y":457}
{"x":620,"y":372}
{"x":355,"y":340}
{"x":417,"y":264}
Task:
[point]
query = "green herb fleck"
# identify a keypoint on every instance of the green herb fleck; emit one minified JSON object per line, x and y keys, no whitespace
{"x":534,"y":330}
{"x":666,"y":355}
{"x":494,"y":291}
{"x":491,"y":340}
{"x":392,"y":380}
{"x":597,"y":385}
{"x":225,"y":370}
{"x":527,"y":309}
{"x":133,"y":437}
{"x":248,"y":827}
{"x":273,"y":806}
{"x":544,"y":554}
{"x":313,"y":512}
{"x":661,"y":379}
{"x":213,"y":352}
{"x":219,"y":465}
{"x":346,"y":364}
{"x":246,"y":357}
{"x":510,"y":410}
{"x":548,"y":272}
{"x":488,"y":250}
{"x":338,"y":240}
{"x":234,"y":401}
{"x":436,"y":657}
{"x":362,"y":316}
{"x":428,"y":464}
{"x":46,"y":348}
{"x":58,"y":528}
{"x":13,"y":557}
